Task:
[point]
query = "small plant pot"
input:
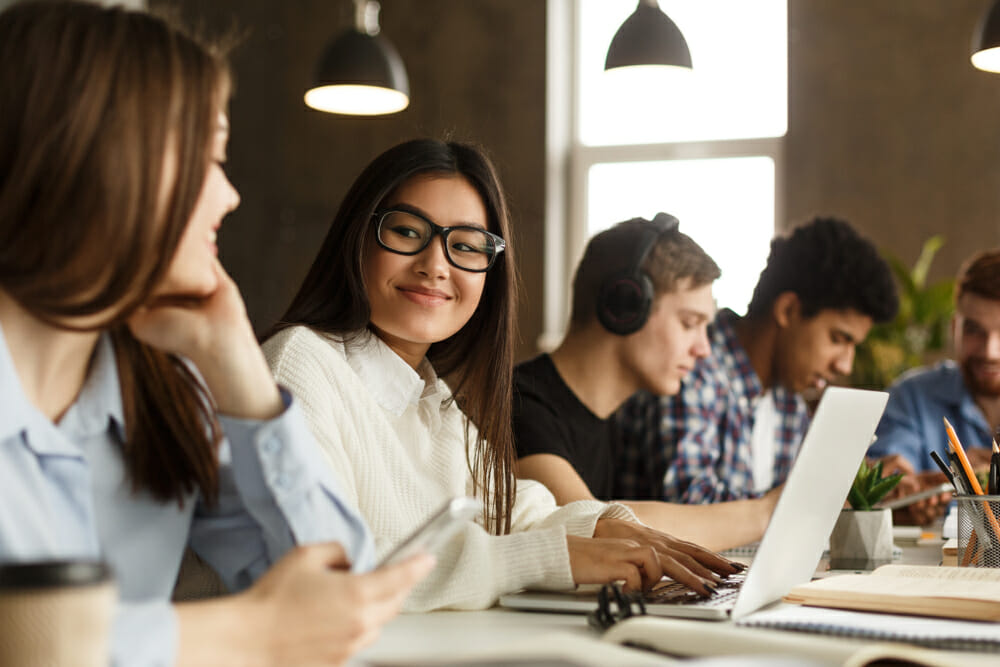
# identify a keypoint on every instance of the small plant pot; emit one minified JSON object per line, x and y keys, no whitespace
{"x":861,"y":540}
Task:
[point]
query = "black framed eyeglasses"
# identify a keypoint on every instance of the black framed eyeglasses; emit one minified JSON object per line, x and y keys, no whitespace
{"x":466,"y":247}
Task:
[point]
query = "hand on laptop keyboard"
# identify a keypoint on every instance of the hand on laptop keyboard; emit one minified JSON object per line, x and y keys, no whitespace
{"x":689,"y":564}
{"x":671,"y":592}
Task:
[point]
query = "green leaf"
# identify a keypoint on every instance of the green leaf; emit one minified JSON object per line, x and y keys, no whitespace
{"x":875,"y":477}
{"x":902,"y":273}
{"x":857,"y":501}
{"x":923,"y":263}
{"x":880,"y":490}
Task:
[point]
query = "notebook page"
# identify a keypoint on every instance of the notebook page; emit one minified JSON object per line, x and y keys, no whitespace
{"x":935,"y":632}
{"x":953,"y":587}
{"x":937,"y":572}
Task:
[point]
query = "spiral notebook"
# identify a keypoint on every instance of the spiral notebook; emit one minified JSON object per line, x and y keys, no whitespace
{"x":922,"y":631}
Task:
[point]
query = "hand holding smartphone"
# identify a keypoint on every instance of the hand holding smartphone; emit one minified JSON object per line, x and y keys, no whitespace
{"x":434,"y":532}
{"x":906,"y":501}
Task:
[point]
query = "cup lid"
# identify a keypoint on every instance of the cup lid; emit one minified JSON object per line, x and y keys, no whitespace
{"x":53,"y":573}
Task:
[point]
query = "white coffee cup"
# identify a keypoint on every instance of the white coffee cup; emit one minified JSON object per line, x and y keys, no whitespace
{"x":56,"y":613}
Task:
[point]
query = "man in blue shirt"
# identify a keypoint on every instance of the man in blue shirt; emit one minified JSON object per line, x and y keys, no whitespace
{"x":966,"y":390}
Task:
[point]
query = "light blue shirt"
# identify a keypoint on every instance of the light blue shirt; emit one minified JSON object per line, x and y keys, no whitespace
{"x":64,"y":494}
{"x":912,"y":424}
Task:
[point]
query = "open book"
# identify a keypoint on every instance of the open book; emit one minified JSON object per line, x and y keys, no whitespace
{"x":949,"y":592}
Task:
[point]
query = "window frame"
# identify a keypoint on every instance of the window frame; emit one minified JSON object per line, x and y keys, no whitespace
{"x":568,"y":163}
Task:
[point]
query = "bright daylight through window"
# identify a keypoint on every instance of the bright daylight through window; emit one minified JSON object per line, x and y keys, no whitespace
{"x":703,"y":144}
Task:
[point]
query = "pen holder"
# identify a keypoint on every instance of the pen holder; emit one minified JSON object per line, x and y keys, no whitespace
{"x":978,"y":531}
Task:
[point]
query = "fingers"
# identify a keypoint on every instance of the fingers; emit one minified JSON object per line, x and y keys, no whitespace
{"x":693,"y":565}
{"x":638,"y":566}
{"x":680,"y":573}
{"x":701,"y":560}
{"x":402,"y":575}
{"x":894,"y":463}
{"x":383,"y":591}
{"x":907,"y":485}
{"x":930,"y":478}
{"x":326,"y":555}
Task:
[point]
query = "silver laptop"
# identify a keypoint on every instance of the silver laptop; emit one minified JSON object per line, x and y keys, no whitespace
{"x":797,"y":534}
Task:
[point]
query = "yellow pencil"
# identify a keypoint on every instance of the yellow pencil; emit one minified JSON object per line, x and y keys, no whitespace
{"x":956,"y":447}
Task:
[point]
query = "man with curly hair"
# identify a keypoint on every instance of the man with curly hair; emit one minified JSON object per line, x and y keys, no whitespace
{"x":735,"y":427}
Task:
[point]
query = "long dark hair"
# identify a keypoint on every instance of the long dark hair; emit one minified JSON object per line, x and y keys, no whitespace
{"x":478,"y":359}
{"x":93,"y":99}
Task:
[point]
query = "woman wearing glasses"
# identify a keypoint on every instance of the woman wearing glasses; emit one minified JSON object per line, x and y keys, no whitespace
{"x":416,"y":282}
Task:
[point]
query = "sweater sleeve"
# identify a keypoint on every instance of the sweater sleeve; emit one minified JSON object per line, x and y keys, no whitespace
{"x":300,"y":373}
{"x":474,"y":567}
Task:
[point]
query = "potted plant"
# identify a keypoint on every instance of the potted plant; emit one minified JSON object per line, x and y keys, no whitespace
{"x":862,"y":537}
{"x":919,"y":333}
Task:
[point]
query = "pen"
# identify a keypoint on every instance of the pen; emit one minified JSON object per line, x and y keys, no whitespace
{"x":961,"y":480}
{"x":945,"y":469}
{"x":993,"y":484}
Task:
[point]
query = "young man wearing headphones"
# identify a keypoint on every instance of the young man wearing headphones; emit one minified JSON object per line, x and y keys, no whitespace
{"x":735,"y":428}
{"x":642,"y":298}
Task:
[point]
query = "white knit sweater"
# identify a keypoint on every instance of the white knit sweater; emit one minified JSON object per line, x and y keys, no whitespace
{"x":398,"y":446}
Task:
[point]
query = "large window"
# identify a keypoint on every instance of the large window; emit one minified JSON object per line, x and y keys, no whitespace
{"x":704,"y":145}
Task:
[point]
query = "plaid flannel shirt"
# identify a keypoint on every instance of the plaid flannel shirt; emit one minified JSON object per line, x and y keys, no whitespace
{"x":695,"y":447}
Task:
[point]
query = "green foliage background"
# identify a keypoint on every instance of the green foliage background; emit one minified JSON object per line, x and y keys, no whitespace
{"x":918,"y":335}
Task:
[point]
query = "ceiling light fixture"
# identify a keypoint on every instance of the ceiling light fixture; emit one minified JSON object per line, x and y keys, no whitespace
{"x":648,"y":37}
{"x":360,"y":73}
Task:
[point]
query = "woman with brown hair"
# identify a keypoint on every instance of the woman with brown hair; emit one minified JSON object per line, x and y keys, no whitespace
{"x":388,"y":309}
{"x":138,"y":416}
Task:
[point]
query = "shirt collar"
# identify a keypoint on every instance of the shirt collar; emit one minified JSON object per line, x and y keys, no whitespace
{"x":99,"y":401}
{"x":393,"y":383}
{"x":16,"y":412}
{"x":949,"y":385}
{"x":723,"y":333}
{"x":99,"y":404}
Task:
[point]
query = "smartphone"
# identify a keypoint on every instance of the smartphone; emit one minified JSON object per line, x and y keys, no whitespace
{"x":906,"y":501}
{"x":436,"y":530}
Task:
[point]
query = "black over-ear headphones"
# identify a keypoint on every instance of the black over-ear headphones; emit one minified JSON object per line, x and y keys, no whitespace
{"x":626,"y":296}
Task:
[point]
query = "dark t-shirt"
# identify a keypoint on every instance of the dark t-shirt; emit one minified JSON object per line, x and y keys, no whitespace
{"x":550,"y":419}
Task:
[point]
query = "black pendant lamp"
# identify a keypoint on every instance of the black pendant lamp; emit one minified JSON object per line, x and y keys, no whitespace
{"x":648,"y":37}
{"x":360,"y":73}
{"x":986,"y":41}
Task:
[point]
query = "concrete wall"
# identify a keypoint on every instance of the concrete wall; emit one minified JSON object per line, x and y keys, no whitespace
{"x":891,"y":127}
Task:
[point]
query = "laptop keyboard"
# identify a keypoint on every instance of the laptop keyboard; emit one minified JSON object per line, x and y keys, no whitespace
{"x":671,"y":592}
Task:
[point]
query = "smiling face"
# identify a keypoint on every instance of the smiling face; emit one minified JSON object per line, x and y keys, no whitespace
{"x":192,"y":271}
{"x":674,"y":337}
{"x":810,"y":352}
{"x":976,"y":331}
{"x":417,"y":300}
